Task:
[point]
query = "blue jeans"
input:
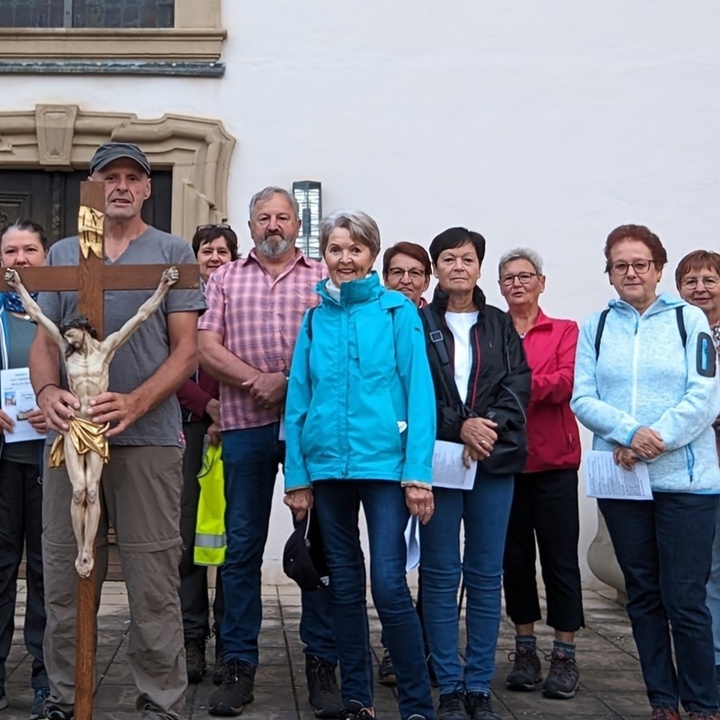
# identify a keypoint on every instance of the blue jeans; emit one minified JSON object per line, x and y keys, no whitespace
{"x":251,"y":458}
{"x":484,"y":512}
{"x":337,"y":503}
{"x":664,"y":549}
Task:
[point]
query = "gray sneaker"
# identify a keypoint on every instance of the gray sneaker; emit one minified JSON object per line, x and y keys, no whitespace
{"x":40,"y":695}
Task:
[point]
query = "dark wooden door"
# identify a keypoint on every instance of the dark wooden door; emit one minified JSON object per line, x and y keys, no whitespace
{"x":53,"y":198}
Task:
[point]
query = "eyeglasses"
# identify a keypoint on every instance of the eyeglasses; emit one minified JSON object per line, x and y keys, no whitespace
{"x":525,"y":278}
{"x":398,"y":274}
{"x":691,"y":283}
{"x":639,"y":266}
{"x":214,"y":226}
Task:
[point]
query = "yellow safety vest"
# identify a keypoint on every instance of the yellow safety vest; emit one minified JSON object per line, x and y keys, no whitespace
{"x":210,"y":538}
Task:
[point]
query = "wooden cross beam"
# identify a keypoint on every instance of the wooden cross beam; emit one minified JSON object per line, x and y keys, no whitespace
{"x":90,"y":279}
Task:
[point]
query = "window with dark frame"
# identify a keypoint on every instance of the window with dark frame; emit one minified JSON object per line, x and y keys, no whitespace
{"x":87,"y":13}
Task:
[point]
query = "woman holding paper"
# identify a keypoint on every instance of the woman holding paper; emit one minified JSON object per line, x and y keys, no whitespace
{"x":360,"y":426}
{"x":646,"y":385}
{"x":22,"y":244}
{"x":545,"y":501}
{"x":482,"y":387}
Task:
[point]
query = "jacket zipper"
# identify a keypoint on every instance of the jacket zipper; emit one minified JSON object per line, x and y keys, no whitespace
{"x":478,"y":357}
{"x":636,"y":356}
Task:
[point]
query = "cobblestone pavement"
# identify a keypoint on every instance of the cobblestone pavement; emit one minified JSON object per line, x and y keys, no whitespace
{"x":610,"y":682}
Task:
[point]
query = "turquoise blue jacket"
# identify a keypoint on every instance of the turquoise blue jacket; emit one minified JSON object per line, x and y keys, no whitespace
{"x":360,"y":402}
{"x":643,"y":376}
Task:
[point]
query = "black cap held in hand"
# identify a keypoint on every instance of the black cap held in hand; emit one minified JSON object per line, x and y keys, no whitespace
{"x":304,"y":558}
{"x":109,"y":152}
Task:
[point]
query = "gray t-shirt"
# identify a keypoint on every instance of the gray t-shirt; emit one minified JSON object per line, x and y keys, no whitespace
{"x":148,"y":347}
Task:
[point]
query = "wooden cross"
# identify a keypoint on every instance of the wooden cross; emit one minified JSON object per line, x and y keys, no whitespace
{"x":90,"y":279}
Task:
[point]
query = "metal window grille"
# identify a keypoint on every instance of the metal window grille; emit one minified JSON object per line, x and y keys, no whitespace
{"x":309,"y":197}
{"x":87,"y":13}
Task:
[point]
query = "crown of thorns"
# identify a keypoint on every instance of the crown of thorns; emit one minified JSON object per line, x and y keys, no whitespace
{"x":79,"y":322}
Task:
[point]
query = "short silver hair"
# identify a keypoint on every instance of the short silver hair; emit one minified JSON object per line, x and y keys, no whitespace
{"x":360,"y":225}
{"x":267,"y":193}
{"x":521,"y":254}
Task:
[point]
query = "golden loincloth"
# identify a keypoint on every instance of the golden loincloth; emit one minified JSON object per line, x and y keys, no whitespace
{"x":86,"y":436}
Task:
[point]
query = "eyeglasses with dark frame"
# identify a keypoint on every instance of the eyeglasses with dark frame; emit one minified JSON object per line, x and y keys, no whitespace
{"x":525,"y":278}
{"x":709,"y":282}
{"x":621,"y":267}
{"x":414,"y":273}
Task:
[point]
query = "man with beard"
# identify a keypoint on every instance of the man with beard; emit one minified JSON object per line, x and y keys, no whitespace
{"x":246,"y":341}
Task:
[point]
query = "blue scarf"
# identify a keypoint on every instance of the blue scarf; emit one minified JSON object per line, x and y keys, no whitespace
{"x":13,"y":303}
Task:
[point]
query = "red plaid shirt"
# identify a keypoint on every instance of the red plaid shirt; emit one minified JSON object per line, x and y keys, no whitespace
{"x":258,"y":317}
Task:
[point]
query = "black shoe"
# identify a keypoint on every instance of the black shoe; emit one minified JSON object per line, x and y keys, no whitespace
{"x":323,"y":691}
{"x":480,"y":707}
{"x":386,"y":671}
{"x":355,"y":711}
{"x":53,"y":712}
{"x":453,"y":706}
{"x":235,"y":691}
{"x":40,"y":695}
{"x":219,"y":664}
{"x":195,"y":659}
{"x":525,"y":673}
{"x":562,"y":679}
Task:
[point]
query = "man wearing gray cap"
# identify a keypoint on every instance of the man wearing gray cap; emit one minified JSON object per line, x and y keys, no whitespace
{"x":142,"y":482}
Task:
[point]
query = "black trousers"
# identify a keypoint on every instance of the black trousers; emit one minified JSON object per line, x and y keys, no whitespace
{"x":21,"y":526}
{"x":544,"y":508}
{"x":193,"y":578}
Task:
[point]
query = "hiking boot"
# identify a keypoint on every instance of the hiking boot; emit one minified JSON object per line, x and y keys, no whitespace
{"x":702,"y":715}
{"x":355,"y":711}
{"x":235,"y":690}
{"x":55,"y":712}
{"x":480,"y":707}
{"x":323,"y":691}
{"x":525,"y":673}
{"x":664,"y":713}
{"x":386,"y":671}
{"x":195,"y":659}
{"x":219,"y":664}
{"x":562,"y":678}
{"x":40,"y":695}
{"x":452,"y":706}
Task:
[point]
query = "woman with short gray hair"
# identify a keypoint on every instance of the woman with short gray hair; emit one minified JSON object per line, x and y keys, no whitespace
{"x":360,"y":429}
{"x":545,"y":501}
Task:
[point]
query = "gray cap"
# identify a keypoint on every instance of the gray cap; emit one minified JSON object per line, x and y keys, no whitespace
{"x":112,"y":151}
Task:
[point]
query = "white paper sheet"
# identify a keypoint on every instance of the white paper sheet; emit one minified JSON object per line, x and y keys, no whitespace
{"x":18,"y":398}
{"x":605,"y":479}
{"x":412,"y":540}
{"x":448,"y":468}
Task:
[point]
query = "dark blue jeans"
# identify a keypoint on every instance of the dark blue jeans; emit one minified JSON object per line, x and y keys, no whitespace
{"x":484,"y":512}
{"x":251,"y":459}
{"x":337,"y":504}
{"x":664,"y":549}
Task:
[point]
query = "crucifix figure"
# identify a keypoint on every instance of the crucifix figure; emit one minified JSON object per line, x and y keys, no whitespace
{"x":84,"y":446}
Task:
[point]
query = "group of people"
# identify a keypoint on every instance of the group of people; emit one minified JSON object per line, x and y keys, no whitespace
{"x":351,"y":382}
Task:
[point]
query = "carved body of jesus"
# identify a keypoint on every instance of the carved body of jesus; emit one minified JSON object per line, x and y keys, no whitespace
{"x":87,"y":364}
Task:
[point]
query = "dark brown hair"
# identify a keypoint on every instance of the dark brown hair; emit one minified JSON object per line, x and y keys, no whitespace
{"x":696,"y":261}
{"x":207,"y":233}
{"x":413,"y":250}
{"x":641,"y":234}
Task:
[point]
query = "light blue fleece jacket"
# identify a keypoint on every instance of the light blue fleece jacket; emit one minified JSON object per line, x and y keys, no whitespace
{"x":360,"y":402}
{"x":645,"y":377}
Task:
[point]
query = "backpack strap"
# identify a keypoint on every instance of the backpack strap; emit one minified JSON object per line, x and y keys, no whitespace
{"x":681,"y":324}
{"x":599,"y":331}
{"x":438,"y":340}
